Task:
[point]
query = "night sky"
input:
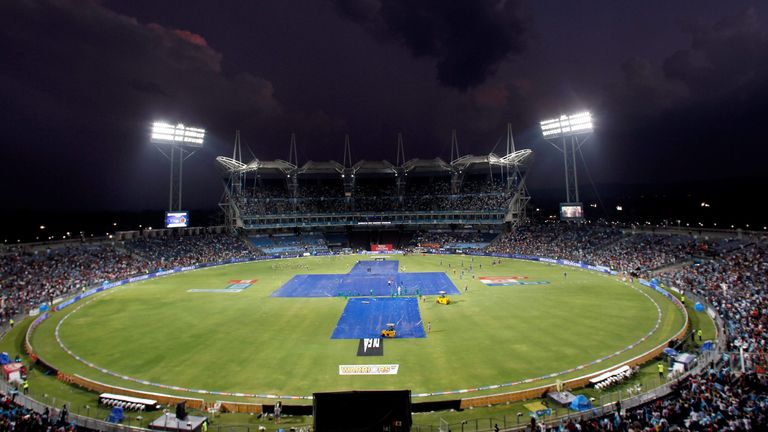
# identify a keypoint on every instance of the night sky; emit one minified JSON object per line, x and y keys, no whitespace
{"x":679,"y":89}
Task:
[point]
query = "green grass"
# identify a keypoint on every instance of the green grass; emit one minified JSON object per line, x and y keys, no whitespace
{"x":250,"y":342}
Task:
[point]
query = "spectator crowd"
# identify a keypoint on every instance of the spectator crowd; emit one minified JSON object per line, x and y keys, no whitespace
{"x":31,"y":277}
{"x":14,"y":417}
{"x":600,"y":245}
{"x":450,"y":239}
{"x":731,"y":274}
{"x":432,"y":194}
{"x":714,"y":400}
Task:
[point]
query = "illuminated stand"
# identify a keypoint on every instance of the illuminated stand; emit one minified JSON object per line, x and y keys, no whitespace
{"x":176,"y":143}
{"x":567,"y":134}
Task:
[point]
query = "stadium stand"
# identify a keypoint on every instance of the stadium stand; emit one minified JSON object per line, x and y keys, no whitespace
{"x":716,"y":400}
{"x":14,"y":417}
{"x":169,"y":252}
{"x":280,"y":244}
{"x":419,"y":197}
{"x":477,"y":190}
{"x":32,"y":277}
{"x":608,"y":246}
{"x":735,"y":283}
{"x":337,"y":240}
{"x":452,"y":239}
{"x":731,"y":274}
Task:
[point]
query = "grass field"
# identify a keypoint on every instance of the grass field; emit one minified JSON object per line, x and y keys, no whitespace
{"x":252,"y":343}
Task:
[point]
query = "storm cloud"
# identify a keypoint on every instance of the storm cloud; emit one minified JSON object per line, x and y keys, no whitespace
{"x":468,"y":39}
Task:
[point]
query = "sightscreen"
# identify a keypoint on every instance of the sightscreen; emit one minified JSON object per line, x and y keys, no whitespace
{"x":571,"y":211}
{"x":177,"y":219}
{"x":388,"y":410}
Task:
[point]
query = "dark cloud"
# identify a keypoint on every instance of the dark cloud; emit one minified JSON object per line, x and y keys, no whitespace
{"x":83,"y":55}
{"x":725,"y":61}
{"x":80,"y":80}
{"x":80,"y":83}
{"x":722,"y":57}
{"x":467,"y":38}
{"x":701,"y":99}
{"x":644,"y":87}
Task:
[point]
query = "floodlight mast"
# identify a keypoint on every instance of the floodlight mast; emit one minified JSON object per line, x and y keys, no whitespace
{"x":574,"y":130}
{"x":177,"y":143}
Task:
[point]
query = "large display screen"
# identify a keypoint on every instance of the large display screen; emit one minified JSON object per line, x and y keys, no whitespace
{"x":178,"y":219}
{"x":571,"y":211}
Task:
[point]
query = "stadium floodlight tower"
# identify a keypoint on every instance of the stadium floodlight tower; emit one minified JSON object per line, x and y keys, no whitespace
{"x":568,"y":133}
{"x":177,"y":143}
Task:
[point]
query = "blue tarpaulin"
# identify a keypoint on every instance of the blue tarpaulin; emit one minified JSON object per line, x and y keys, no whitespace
{"x":367,"y":317}
{"x":375,"y":267}
{"x":382,"y":281}
{"x":116,"y":416}
{"x":581,"y":403}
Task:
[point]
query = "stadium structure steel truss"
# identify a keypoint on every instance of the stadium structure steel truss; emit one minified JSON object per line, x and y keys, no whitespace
{"x":241,"y":180}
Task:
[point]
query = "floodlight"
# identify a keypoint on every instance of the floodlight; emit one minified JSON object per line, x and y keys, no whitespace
{"x":567,"y":125}
{"x":570,"y":128}
{"x":166,"y":133}
{"x":176,"y":143}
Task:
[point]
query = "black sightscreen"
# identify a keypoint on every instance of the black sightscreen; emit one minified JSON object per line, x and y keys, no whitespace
{"x":358,"y":411}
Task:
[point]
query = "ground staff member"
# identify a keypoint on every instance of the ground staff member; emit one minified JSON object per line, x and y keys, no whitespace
{"x":278,"y":411}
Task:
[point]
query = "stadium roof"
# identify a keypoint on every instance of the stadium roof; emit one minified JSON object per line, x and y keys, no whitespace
{"x":436,"y":165}
{"x":230,"y":164}
{"x":273,"y":166}
{"x":514,"y":158}
{"x":426,"y":165}
{"x":329,"y":167}
{"x":276,"y":166}
{"x":373,"y":167}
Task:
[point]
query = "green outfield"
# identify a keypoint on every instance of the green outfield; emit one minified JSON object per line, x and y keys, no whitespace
{"x":249,"y":342}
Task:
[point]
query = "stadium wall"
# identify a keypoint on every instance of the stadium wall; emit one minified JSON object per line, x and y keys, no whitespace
{"x":96,"y":386}
{"x":241,"y":407}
